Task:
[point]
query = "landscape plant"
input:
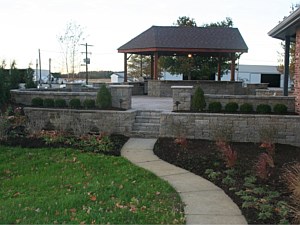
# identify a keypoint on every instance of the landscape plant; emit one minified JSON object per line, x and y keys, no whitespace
{"x":291,"y":176}
{"x":104,"y":99}
{"x":60,"y":103}
{"x":231,"y":107}
{"x":280,"y":109}
{"x":246,"y":108}
{"x":263,"y":109}
{"x":198,"y":100}
{"x":89,"y":103}
{"x":48,"y":102}
{"x":215,"y":107}
{"x":37,"y":102}
{"x":75,"y":103}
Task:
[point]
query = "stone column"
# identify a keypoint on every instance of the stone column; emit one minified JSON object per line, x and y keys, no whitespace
{"x":121,"y":96}
{"x":297,"y":72}
{"x":182,"y":97}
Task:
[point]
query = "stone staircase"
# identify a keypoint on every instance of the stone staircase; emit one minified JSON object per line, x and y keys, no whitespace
{"x":147,"y":124}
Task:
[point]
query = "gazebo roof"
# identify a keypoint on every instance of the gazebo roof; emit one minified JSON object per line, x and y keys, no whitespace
{"x":174,"y":40}
{"x":287,"y":27}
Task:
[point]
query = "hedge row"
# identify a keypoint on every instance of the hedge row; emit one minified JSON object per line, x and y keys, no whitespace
{"x":233,"y":107}
{"x":103,"y":101}
{"x":61,"y":103}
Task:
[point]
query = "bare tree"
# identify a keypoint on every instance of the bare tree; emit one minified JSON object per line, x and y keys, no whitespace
{"x":70,"y":41}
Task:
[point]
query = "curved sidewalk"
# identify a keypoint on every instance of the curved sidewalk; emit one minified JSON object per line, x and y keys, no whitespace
{"x":204,"y":202}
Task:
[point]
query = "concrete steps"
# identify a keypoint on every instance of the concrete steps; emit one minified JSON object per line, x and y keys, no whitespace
{"x":147,"y":124}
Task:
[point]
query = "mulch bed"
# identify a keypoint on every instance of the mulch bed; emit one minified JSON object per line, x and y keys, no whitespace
{"x":200,"y":155}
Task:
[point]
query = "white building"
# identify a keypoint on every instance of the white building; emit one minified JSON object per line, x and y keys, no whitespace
{"x":168,"y":76}
{"x":254,"y":74}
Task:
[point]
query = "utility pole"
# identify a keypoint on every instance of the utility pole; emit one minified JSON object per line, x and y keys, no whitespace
{"x":86,"y":61}
{"x":50,"y":78}
{"x":40,"y":81}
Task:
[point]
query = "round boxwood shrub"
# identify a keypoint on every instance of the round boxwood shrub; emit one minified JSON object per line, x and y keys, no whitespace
{"x":231,"y":107}
{"x":280,"y":109}
{"x":215,"y":107}
{"x":60,"y":103}
{"x":38,"y":102}
{"x":103,"y":100}
{"x":263,"y":109}
{"x":89,"y":103}
{"x":75,"y":103}
{"x":246,"y":108}
{"x":198,"y":100}
{"x":48,"y":102}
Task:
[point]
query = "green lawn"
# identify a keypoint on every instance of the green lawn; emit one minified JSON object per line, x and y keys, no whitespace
{"x":48,"y":186}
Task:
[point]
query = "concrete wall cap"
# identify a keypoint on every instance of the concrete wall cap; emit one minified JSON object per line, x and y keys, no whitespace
{"x":182,"y":87}
{"x":121,"y":86}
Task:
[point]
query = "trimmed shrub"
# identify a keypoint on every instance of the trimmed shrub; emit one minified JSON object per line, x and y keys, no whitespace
{"x":48,"y":102}
{"x":215,"y":107}
{"x":231,"y":107}
{"x":198,"y":100}
{"x":89,"y":103}
{"x":38,"y":102}
{"x":103,"y":100}
{"x":280,"y":109}
{"x":246,"y":108}
{"x":263,"y":109}
{"x":60,"y":103}
{"x":75,"y":103}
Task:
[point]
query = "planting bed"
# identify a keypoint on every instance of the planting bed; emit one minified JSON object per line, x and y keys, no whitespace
{"x":261,"y":201}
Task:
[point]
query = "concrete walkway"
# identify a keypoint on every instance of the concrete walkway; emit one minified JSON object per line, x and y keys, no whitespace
{"x":204,"y":202}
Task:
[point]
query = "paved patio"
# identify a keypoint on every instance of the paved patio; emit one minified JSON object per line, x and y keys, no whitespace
{"x":152,"y":103}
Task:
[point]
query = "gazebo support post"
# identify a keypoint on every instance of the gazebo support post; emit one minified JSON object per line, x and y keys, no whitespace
{"x":155,"y":69}
{"x":152,"y":67}
{"x":125,"y":67}
{"x":232,"y":67}
{"x":219,"y":68}
{"x":286,"y":65}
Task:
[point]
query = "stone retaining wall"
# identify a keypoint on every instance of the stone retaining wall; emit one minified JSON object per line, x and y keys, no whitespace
{"x":80,"y":121}
{"x":158,"y":88}
{"x":242,"y":128}
{"x":121,"y":95}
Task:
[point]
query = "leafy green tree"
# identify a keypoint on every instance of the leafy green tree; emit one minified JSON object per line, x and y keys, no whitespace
{"x":185,"y":21}
{"x":14,"y":76}
{"x":139,"y":66}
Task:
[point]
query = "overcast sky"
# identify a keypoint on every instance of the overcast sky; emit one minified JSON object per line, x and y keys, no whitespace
{"x":29,"y":25}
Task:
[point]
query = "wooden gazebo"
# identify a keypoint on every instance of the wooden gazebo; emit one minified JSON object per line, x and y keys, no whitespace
{"x":185,"y":41}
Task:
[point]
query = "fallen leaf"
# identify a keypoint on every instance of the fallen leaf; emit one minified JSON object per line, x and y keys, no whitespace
{"x":16,"y":194}
{"x":73,"y":210}
{"x":93,"y":198}
{"x":158,"y":193}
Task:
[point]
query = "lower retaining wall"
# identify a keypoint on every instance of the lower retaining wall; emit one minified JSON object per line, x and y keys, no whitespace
{"x":80,"y":121}
{"x":242,"y":128}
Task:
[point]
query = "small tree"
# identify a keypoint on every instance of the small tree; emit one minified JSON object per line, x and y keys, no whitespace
{"x":29,"y":83}
{"x":198,"y":100}
{"x":103,"y":100}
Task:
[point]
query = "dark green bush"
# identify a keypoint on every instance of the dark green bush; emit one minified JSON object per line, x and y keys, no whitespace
{"x":198,"y":100}
{"x":246,"y":108}
{"x":263,"y":109}
{"x":75,"y":103}
{"x":215,"y":107}
{"x":48,"y":102}
{"x":231,"y":107}
{"x":280,"y":108}
{"x":60,"y":103}
{"x":103,"y":100}
{"x":89,"y":103}
{"x":38,"y":102}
